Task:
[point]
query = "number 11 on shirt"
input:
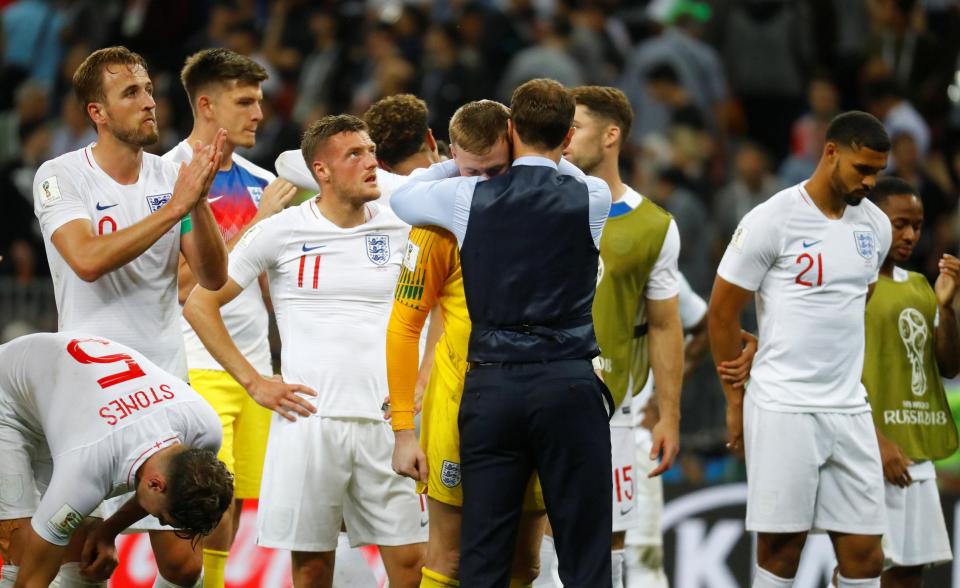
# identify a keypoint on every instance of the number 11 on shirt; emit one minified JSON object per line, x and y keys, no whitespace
{"x":806,"y":258}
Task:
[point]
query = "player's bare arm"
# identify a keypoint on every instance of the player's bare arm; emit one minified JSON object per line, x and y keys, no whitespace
{"x":736,"y":372}
{"x":99,"y":555}
{"x":202,"y":311}
{"x":666,"y":360}
{"x":276,"y":196}
{"x":895,"y":462}
{"x":723,"y":324}
{"x":203,"y":246}
{"x":947,"y":334}
{"x":41,"y":560}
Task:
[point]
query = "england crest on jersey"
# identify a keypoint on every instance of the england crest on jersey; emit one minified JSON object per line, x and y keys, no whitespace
{"x":256,"y":193}
{"x":866,"y":243}
{"x":157,"y":201}
{"x":450,"y":474}
{"x":378,"y":248}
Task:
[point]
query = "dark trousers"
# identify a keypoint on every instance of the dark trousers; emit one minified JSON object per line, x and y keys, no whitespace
{"x":548,"y":416}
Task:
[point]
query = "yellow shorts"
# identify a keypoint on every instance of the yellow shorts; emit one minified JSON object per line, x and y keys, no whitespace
{"x":246,"y":425}
{"x":440,"y":437}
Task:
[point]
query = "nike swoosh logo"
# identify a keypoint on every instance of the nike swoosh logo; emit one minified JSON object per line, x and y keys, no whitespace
{"x":308,"y":249}
{"x":811,"y":243}
{"x":215,"y":198}
{"x":623,"y":512}
{"x":104,"y":207}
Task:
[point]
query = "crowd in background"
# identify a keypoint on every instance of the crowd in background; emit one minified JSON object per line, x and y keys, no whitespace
{"x":731,"y":99}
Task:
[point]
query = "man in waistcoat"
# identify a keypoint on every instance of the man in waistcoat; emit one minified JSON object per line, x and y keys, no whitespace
{"x":911,"y":342}
{"x":529,"y":252}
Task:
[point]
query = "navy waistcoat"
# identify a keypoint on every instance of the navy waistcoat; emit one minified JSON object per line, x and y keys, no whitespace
{"x":530,"y":268}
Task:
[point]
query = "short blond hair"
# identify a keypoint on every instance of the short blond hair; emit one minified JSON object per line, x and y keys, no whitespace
{"x":477,"y":126}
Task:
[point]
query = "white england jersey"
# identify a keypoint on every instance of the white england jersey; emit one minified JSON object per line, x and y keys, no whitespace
{"x":234,"y":198}
{"x":102,"y":409}
{"x":135,"y":304}
{"x":332,"y":292}
{"x":811,"y":275}
{"x":292,"y":167}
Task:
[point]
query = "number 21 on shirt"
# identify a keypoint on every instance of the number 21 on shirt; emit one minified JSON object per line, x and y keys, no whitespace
{"x":808,"y":264}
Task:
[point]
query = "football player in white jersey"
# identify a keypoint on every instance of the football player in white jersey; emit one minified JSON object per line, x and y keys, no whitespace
{"x":811,"y":255}
{"x":332,"y":263}
{"x":132,"y":427}
{"x":224,"y":92}
{"x":114,"y":222}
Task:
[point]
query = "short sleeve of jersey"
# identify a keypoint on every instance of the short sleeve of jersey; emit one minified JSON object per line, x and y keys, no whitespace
{"x":753,"y":248}
{"x":78,"y":485}
{"x":427,"y":263}
{"x":692,"y":307}
{"x":56,"y":198}
{"x":884,"y":240}
{"x":256,"y":251}
{"x":664,"y":281}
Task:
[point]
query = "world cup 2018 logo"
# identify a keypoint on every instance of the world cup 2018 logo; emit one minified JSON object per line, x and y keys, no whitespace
{"x":913,"y":332}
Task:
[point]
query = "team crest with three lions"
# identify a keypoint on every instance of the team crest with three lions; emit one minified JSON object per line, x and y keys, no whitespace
{"x":450,"y":474}
{"x":866,"y":243}
{"x":157,"y":201}
{"x":378,"y":248}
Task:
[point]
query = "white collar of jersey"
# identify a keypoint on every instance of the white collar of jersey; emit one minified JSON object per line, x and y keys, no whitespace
{"x":631,"y":198}
{"x":900,"y":274}
{"x":370,"y":210}
{"x":146,"y":452}
{"x":535,"y":160}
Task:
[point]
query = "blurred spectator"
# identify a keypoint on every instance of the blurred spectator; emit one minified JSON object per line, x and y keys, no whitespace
{"x":914,"y":58}
{"x":244,"y":38}
{"x":30,"y":106}
{"x":315,"y":97}
{"x":17,"y":221}
{"x":449,"y":77}
{"x":884,"y":100}
{"x":31,"y":36}
{"x":286,"y":41}
{"x":382,"y":72}
{"x":74,"y":130}
{"x":752,"y":183}
{"x":550,"y":58}
{"x":222,"y":16}
{"x":591,"y":46}
{"x":809,"y":131}
{"x":663,"y":84}
{"x":697,"y":64}
{"x":767,"y":47}
{"x":670,"y":191}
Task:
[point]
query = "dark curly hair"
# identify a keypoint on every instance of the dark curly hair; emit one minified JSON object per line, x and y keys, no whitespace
{"x":398,"y":125}
{"x":199,"y":489}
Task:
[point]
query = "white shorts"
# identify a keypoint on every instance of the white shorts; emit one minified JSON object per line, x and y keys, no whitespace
{"x":624,"y":448}
{"x":25,"y":471}
{"x":812,"y":471}
{"x":321,"y":471}
{"x":916,"y":532}
{"x":648,"y":530}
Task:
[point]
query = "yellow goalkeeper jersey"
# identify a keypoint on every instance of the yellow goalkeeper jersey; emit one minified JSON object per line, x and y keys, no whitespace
{"x":430,"y":274}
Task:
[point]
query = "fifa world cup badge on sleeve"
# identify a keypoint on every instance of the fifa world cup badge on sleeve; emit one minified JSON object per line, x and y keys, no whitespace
{"x":737,"y":240}
{"x":410,"y":257}
{"x":62,"y":524}
{"x":49,"y":191}
{"x":378,"y":248}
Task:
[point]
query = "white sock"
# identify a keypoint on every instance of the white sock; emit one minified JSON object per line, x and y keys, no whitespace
{"x":548,"y":565}
{"x":616,"y":568}
{"x":8,"y":575}
{"x":644,"y":565}
{"x":765,"y":579}
{"x":857,"y":582}
{"x":161,"y":582}
{"x":70,"y":577}
{"x":352,"y":568}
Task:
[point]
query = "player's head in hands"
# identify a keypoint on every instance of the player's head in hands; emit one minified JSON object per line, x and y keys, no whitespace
{"x":224,"y":91}
{"x":186,"y":488}
{"x":899,"y":200}
{"x":541,"y":118}
{"x":114,"y":87}
{"x":854,"y":153}
{"x":602,"y":121}
{"x":342,"y":158}
{"x":478,"y":138}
